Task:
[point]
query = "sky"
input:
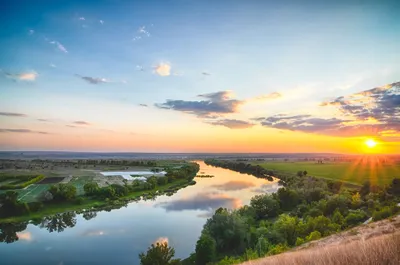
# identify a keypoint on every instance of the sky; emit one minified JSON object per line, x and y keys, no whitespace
{"x":200,"y":76}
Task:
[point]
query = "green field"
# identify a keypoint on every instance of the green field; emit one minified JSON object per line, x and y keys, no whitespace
{"x":352,"y":172}
{"x":31,"y":193}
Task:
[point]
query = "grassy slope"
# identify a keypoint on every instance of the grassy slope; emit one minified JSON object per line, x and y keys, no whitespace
{"x":87,"y":203}
{"x":352,"y":172}
{"x":373,"y":244}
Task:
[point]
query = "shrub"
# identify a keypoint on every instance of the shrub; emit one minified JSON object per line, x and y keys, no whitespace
{"x":384,"y":213}
{"x":355,"y":218}
{"x":315,"y":235}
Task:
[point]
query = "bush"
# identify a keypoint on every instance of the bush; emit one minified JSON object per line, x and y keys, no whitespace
{"x":384,"y":213}
{"x":277,"y":249}
{"x":299,"y":241}
{"x":315,"y":235}
{"x":354,"y":218}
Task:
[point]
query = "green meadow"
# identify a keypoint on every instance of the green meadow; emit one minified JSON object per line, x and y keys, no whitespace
{"x":352,"y":172}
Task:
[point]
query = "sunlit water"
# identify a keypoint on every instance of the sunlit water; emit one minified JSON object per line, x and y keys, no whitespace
{"x":117,"y":237}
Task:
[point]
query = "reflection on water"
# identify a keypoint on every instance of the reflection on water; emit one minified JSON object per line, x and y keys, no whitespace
{"x":118,"y":236}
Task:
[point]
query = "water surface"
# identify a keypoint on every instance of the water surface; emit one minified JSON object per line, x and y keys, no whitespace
{"x":118,"y":236}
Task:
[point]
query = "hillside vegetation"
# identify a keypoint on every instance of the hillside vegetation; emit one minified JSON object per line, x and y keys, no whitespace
{"x":373,"y":244}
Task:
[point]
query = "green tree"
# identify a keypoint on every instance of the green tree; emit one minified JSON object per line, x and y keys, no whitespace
{"x":205,"y":249}
{"x":229,"y":230}
{"x":91,"y":188}
{"x":288,"y":198}
{"x":265,"y":206}
{"x":63,"y":192}
{"x":158,"y":254}
{"x":321,"y":224}
{"x":338,"y":218}
{"x":355,"y":218}
{"x":288,"y":227}
{"x":365,"y":189}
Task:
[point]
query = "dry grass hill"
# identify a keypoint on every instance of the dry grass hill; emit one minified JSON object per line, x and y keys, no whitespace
{"x":373,"y":244}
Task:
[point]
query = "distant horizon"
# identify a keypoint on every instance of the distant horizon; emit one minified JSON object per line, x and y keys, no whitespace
{"x":192,"y":153}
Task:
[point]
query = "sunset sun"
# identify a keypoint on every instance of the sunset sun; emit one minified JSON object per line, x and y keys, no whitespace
{"x":370,"y":143}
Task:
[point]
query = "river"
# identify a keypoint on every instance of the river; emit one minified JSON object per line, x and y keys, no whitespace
{"x":118,"y":236}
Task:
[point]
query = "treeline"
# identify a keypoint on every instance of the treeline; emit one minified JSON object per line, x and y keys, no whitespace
{"x":67,"y":193}
{"x":255,"y":170}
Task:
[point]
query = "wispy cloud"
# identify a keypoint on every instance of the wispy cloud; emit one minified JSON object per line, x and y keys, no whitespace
{"x":12,"y":114}
{"x":59,"y":46}
{"x":142,"y":30}
{"x":273,"y":95}
{"x":163,"y":69}
{"x":205,"y":73}
{"x":24,"y":76}
{"x":232,"y":123}
{"x":21,"y":131}
{"x":52,"y":65}
{"x":82,"y":18}
{"x":214,"y":103}
{"x":101,"y":22}
{"x":81,"y":123}
{"x":31,"y":32}
{"x":143,"y":105}
{"x":93,"y":80}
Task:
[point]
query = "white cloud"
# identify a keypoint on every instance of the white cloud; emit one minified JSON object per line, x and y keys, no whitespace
{"x":163,"y":69}
{"x":81,"y":18}
{"x":142,"y":30}
{"x":52,"y":65}
{"x":25,"y":76}
{"x":101,"y":22}
{"x":28,"y":76}
{"x":31,"y":32}
{"x":59,"y":46}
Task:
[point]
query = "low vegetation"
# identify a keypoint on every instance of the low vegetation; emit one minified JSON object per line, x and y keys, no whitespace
{"x":18,"y":182}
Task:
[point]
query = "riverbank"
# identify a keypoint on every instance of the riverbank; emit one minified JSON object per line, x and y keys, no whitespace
{"x":87,"y":203}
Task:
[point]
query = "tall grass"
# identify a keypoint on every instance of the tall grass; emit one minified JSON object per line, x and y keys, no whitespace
{"x":381,"y":250}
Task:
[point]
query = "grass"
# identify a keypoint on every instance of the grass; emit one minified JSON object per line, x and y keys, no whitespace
{"x":31,"y":193}
{"x":352,"y":172}
{"x":374,"y":251}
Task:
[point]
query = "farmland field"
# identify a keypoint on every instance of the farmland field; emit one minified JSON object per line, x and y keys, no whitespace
{"x":357,"y":172}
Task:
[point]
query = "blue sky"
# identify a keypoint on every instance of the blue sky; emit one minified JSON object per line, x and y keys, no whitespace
{"x":97,"y":61}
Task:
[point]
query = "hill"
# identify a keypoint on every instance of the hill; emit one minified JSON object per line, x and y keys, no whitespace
{"x":372,"y":244}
